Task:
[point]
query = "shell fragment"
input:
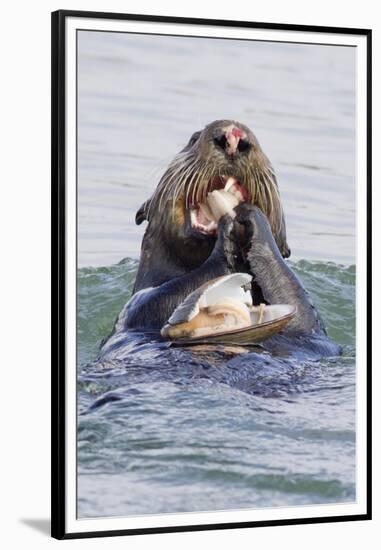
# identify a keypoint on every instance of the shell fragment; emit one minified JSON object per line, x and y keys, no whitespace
{"x":222,"y":202}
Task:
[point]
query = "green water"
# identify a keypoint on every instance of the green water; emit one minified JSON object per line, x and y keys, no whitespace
{"x":181,"y":439}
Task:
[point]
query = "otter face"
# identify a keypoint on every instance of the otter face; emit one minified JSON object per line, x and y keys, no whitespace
{"x":226,"y":156}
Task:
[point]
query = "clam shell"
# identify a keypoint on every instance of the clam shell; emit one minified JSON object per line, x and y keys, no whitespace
{"x":196,"y":319}
{"x":209,"y":293}
{"x":247,"y":336}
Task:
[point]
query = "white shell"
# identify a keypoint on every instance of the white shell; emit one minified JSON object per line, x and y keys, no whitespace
{"x":221,"y":202}
{"x":211,"y":293}
{"x":221,"y":311}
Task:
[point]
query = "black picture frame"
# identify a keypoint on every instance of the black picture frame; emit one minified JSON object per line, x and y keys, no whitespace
{"x":58,"y":320}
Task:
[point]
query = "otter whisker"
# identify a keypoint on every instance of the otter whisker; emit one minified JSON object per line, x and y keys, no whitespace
{"x":181,"y":181}
{"x":265,"y":197}
{"x":191,"y":183}
{"x":201,"y":184}
{"x":164,"y":189}
{"x":274,"y":197}
{"x":163,"y":192}
{"x":203,"y":167}
{"x":257,"y":189}
{"x":194,"y":183}
{"x":179,"y":189}
{"x":189,"y":174}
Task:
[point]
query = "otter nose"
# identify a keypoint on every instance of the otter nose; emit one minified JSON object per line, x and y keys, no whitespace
{"x":232,"y":140}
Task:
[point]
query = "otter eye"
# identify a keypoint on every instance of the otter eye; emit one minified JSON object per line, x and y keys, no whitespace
{"x":220,"y":141}
{"x":243,"y":145}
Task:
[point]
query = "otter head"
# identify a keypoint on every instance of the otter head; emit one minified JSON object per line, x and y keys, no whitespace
{"x":224,"y":153}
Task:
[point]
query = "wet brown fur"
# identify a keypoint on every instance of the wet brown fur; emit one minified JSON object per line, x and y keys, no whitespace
{"x":170,"y":246}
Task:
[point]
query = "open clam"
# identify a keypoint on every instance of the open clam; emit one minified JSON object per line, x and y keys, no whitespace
{"x":222,"y":311}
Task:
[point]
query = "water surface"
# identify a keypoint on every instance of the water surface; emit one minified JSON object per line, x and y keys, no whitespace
{"x":186,"y":433}
{"x":141,"y":97}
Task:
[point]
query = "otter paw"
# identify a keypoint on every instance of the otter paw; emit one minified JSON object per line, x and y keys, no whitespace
{"x":257,"y":227}
{"x":248,"y":214}
{"x":252,"y":219}
{"x":227,"y":244}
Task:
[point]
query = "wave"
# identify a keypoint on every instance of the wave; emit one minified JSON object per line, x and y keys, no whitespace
{"x":103,"y":291}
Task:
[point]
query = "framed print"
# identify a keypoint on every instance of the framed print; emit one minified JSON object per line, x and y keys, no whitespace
{"x":211,"y":274}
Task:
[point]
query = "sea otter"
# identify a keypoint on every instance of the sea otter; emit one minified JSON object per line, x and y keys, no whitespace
{"x":184,"y":246}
